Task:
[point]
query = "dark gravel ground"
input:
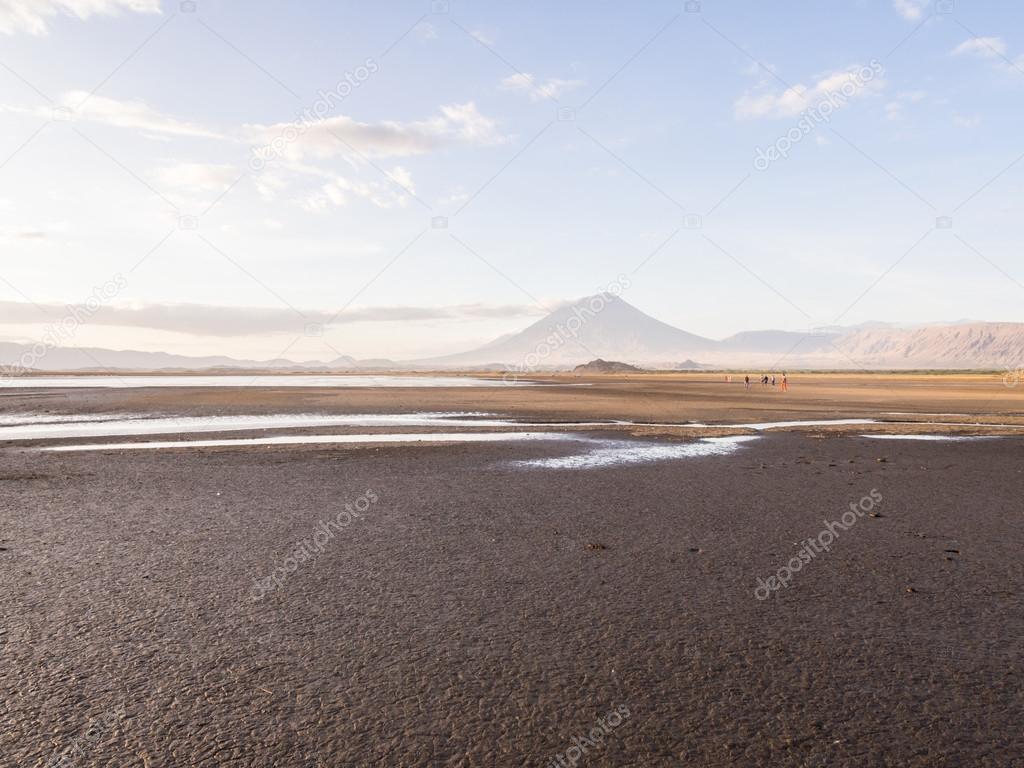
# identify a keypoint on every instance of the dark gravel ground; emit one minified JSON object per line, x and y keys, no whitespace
{"x":481,"y":615}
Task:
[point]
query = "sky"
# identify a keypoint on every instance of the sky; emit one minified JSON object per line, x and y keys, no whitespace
{"x":408,"y":179}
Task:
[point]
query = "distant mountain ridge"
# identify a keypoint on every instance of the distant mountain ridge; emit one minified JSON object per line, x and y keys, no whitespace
{"x":992,"y":345}
{"x":606,"y":326}
{"x":620,"y":331}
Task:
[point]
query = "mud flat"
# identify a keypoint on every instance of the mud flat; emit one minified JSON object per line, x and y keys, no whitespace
{"x":495,"y":603}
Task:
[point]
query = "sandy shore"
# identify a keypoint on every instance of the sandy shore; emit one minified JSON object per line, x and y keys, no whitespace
{"x":467,"y":611}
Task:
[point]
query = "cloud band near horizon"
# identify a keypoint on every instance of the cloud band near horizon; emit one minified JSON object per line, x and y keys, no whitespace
{"x":226,"y":321}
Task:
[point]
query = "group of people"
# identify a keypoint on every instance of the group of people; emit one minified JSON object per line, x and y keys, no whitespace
{"x":767,"y":380}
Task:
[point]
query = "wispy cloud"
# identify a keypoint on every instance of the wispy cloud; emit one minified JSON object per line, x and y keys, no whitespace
{"x":896,"y":110}
{"x":34,"y":16}
{"x":339,"y":191}
{"x":482,"y":37}
{"x":982,"y":47}
{"x":344,"y":136}
{"x":313,"y":142}
{"x":551,"y":88}
{"x":330,"y":137}
{"x":911,"y":10}
{"x":793,"y":101}
{"x":134,"y":114}
{"x":993,"y":49}
{"x":455,"y":197}
{"x":224,"y":321}
{"x":131,"y":114}
{"x":356,"y":143}
{"x":26,"y":234}
{"x":197,"y":176}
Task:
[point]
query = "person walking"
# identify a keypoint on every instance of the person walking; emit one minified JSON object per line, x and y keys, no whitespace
{"x":785,"y":382}
{"x":746,"y":381}
{"x":773,"y":380}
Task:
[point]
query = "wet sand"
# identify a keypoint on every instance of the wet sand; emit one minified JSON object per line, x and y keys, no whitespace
{"x":481,"y":613}
{"x":702,"y":397}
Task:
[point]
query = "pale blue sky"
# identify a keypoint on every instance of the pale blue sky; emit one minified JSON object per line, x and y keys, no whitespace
{"x":460,"y":118}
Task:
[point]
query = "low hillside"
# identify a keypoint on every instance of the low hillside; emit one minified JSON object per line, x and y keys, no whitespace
{"x":606,"y":366}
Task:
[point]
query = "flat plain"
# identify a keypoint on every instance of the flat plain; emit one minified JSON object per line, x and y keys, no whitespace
{"x":469,"y":608}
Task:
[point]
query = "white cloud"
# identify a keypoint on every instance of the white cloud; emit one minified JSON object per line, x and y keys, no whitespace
{"x":339,"y":191}
{"x":343,"y":136}
{"x":911,"y":10}
{"x":295,"y":149}
{"x":79,"y":105}
{"x":551,"y":88}
{"x":331,"y":137}
{"x":33,"y":16}
{"x":234,"y":321}
{"x":465,"y":123}
{"x":28,"y":234}
{"x":403,"y":178}
{"x":843,"y":84}
{"x":982,"y":47}
{"x":198,"y":176}
{"x":270,"y":183}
